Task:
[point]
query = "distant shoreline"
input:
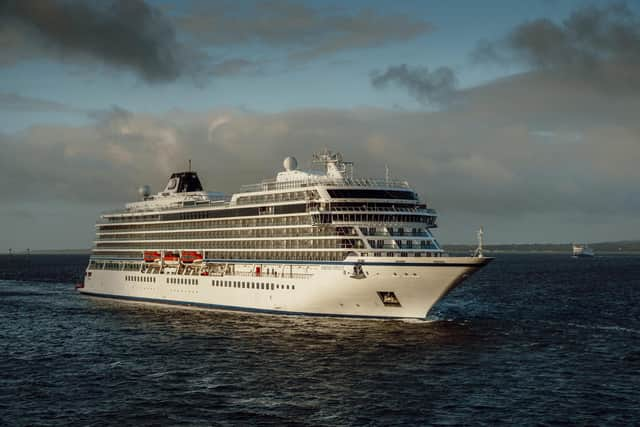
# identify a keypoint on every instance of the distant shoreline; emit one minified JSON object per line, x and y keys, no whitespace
{"x":50,"y":252}
{"x":625,"y":247}
{"x":460,"y":252}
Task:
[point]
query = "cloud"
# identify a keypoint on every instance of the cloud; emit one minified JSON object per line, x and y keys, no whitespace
{"x":111,"y":117}
{"x":308,"y":32}
{"x":600,"y":44}
{"x":428,"y":87}
{"x":162,"y":44}
{"x":508,"y":156}
{"x":215,"y":124}
{"x":485,"y":160}
{"x":236,"y":66}
{"x":19,"y":103}
{"x":128,"y":34}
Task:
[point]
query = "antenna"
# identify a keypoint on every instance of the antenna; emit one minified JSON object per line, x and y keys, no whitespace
{"x":189,"y":165}
{"x":386,"y":172}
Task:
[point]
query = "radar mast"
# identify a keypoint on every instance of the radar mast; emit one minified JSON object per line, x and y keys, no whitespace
{"x":334,"y":165}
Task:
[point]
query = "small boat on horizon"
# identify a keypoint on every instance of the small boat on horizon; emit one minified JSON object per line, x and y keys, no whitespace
{"x":580,"y":251}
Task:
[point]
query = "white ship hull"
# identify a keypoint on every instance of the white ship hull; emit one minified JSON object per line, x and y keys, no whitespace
{"x":386,"y":287}
{"x":582,"y":251}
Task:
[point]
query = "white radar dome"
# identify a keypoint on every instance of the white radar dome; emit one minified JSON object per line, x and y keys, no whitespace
{"x":144,"y":191}
{"x":290,"y":163}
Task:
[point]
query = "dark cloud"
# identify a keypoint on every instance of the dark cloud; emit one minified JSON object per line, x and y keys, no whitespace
{"x":137,"y":36}
{"x":122,"y":33}
{"x":18,"y":103}
{"x":598,"y":43}
{"x":309,"y":32}
{"x":428,"y":87}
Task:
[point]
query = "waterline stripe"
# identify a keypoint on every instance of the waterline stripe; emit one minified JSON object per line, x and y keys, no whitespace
{"x":236,"y":308}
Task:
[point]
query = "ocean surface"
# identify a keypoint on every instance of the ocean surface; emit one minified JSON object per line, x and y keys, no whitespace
{"x":530,"y":340}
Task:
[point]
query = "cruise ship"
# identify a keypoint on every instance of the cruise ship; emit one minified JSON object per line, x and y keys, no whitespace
{"x":311,"y":242}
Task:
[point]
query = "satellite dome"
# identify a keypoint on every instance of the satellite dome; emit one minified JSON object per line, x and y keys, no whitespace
{"x":144,"y":191}
{"x":290,"y":163}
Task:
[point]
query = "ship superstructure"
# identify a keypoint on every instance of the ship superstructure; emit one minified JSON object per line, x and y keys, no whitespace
{"x":311,"y":242}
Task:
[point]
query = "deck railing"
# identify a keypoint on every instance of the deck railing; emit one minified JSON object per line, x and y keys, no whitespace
{"x":372,"y":209}
{"x":272,"y":184}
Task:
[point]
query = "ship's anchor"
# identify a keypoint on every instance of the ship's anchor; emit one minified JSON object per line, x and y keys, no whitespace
{"x":358,"y":273}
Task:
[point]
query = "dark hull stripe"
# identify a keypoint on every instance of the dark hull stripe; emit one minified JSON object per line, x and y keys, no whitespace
{"x":237,"y":308}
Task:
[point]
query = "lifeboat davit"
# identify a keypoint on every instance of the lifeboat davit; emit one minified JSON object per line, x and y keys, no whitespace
{"x":152,"y":256}
{"x":189,"y":257}
{"x":171,"y":258}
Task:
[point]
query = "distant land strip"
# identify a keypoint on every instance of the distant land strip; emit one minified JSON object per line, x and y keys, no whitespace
{"x":627,"y":246}
{"x":47,"y":252}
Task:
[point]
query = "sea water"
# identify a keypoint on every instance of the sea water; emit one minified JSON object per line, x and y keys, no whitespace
{"x":530,"y":340}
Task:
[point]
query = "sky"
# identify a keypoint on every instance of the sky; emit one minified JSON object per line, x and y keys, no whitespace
{"x":519,"y":117}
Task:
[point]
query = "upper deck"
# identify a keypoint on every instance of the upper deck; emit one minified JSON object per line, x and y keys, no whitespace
{"x":291,"y":191}
{"x":275,"y":185}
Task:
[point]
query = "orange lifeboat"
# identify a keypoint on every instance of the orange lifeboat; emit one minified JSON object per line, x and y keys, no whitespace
{"x":171,"y":258}
{"x":151,"y":256}
{"x":189,"y":257}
